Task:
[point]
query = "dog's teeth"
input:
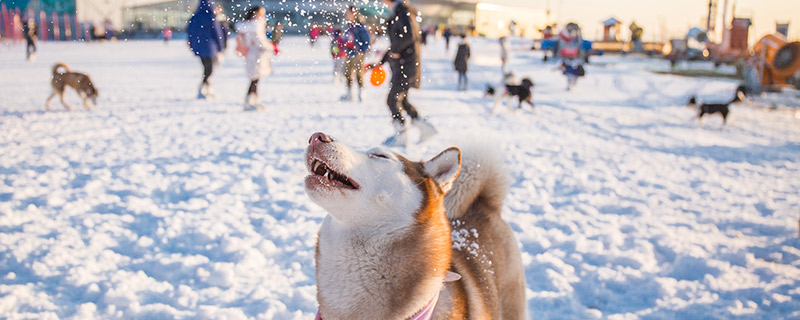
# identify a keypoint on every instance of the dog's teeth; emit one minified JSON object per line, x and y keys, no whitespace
{"x":316,"y":165}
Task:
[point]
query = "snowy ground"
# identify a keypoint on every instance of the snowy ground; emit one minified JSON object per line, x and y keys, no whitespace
{"x":156,"y":205}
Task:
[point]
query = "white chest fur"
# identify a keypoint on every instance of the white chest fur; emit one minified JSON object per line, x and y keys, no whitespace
{"x":361,"y":275}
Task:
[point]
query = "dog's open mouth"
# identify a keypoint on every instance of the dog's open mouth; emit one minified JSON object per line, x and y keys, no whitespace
{"x":326,"y":174}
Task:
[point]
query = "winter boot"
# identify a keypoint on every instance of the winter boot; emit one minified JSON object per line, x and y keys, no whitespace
{"x":347,"y":96}
{"x":201,"y":93}
{"x":251,"y":103}
{"x":362,"y":94}
{"x":400,"y":138}
{"x":425,"y":128}
{"x":205,"y":91}
{"x":209,"y":91}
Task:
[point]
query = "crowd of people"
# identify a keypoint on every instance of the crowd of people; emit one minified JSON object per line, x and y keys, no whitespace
{"x":257,"y":43}
{"x":349,"y":46}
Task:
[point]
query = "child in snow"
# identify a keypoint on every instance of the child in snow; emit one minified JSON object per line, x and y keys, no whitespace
{"x":253,"y":33}
{"x":30,"y":32}
{"x":314,"y":33}
{"x":503,"y":53}
{"x":338,"y":55}
{"x":572,"y":73}
{"x":356,"y":44}
{"x":462,"y":56}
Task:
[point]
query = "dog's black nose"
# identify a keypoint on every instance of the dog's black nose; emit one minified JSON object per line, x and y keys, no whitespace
{"x":319,"y":137}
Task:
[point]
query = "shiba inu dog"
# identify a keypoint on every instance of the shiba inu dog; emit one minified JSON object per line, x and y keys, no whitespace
{"x":412,"y":239}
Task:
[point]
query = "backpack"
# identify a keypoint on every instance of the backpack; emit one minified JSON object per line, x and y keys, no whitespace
{"x":241,"y":48}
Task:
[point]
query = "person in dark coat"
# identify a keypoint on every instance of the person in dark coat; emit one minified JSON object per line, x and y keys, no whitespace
{"x":205,"y":40}
{"x":462,"y":56}
{"x":30,"y":32}
{"x":447,"y":33}
{"x":404,"y":59}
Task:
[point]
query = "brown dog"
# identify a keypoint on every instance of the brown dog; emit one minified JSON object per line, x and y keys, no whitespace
{"x":78,"y":81}
{"x":413,"y":239}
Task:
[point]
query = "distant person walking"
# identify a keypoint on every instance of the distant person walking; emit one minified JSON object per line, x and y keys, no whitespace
{"x":30,"y":31}
{"x":314,"y":33}
{"x":277,"y":34}
{"x":225,"y":26}
{"x":356,"y":44}
{"x":338,"y":55}
{"x":404,"y":58}
{"x":205,"y":39}
{"x":462,"y":57}
{"x":503,"y":54}
{"x":167,"y":34}
{"x":253,"y":33}
{"x":447,"y":33}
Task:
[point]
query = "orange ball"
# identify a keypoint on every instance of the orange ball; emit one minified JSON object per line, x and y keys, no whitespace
{"x":378,"y":76}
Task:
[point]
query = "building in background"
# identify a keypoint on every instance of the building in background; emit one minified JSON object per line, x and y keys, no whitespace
{"x":136,"y":17}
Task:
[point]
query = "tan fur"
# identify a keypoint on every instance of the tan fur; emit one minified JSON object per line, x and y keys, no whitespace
{"x":391,"y":275}
{"x":78,"y":81}
{"x":492,"y":275}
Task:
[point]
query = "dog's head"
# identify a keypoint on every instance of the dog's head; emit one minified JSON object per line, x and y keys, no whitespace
{"x":741,"y":93}
{"x":377,"y":186}
{"x":527,"y":83}
{"x":489,"y":91}
{"x":92,"y":93}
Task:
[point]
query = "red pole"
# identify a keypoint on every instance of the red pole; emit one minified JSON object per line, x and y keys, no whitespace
{"x":67,"y":27}
{"x":18,"y":28}
{"x":43,"y":25}
{"x":6,"y":25}
{"x":56,"y":29}
{"x":79,"y":27}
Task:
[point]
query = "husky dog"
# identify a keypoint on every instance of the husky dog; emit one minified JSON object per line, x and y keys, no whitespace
{"x":412,"y":240}
{"x":78,"y":81}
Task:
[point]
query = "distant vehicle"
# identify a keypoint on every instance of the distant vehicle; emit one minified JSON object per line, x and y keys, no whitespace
{"x":691,"y":48}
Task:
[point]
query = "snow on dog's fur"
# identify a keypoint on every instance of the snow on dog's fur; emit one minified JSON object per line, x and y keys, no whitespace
{"x":385,"y":248}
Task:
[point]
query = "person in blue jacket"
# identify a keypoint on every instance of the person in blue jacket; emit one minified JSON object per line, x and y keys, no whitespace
{"x":356,"y":44}
{"x":205,"y":40}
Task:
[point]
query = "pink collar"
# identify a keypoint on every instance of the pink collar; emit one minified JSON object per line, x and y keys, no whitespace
{"x":425,"y":314}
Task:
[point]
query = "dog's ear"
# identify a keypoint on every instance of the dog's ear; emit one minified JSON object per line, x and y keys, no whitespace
{"x":444,"y":168}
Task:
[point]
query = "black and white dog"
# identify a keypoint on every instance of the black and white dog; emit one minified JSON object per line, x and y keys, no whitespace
{"x":721,"y":108}
{"x":523,"y":92}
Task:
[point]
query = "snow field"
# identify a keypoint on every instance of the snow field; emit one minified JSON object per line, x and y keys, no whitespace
{"x":155,"y":205}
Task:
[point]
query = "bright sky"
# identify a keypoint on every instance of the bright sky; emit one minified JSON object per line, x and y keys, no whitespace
{"x":676,"y":16}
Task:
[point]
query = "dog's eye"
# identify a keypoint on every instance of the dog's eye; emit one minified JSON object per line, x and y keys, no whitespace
{"x":378,"y":155}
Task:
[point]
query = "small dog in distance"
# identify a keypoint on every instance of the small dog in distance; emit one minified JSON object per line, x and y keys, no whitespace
{"x":78,"y":81}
